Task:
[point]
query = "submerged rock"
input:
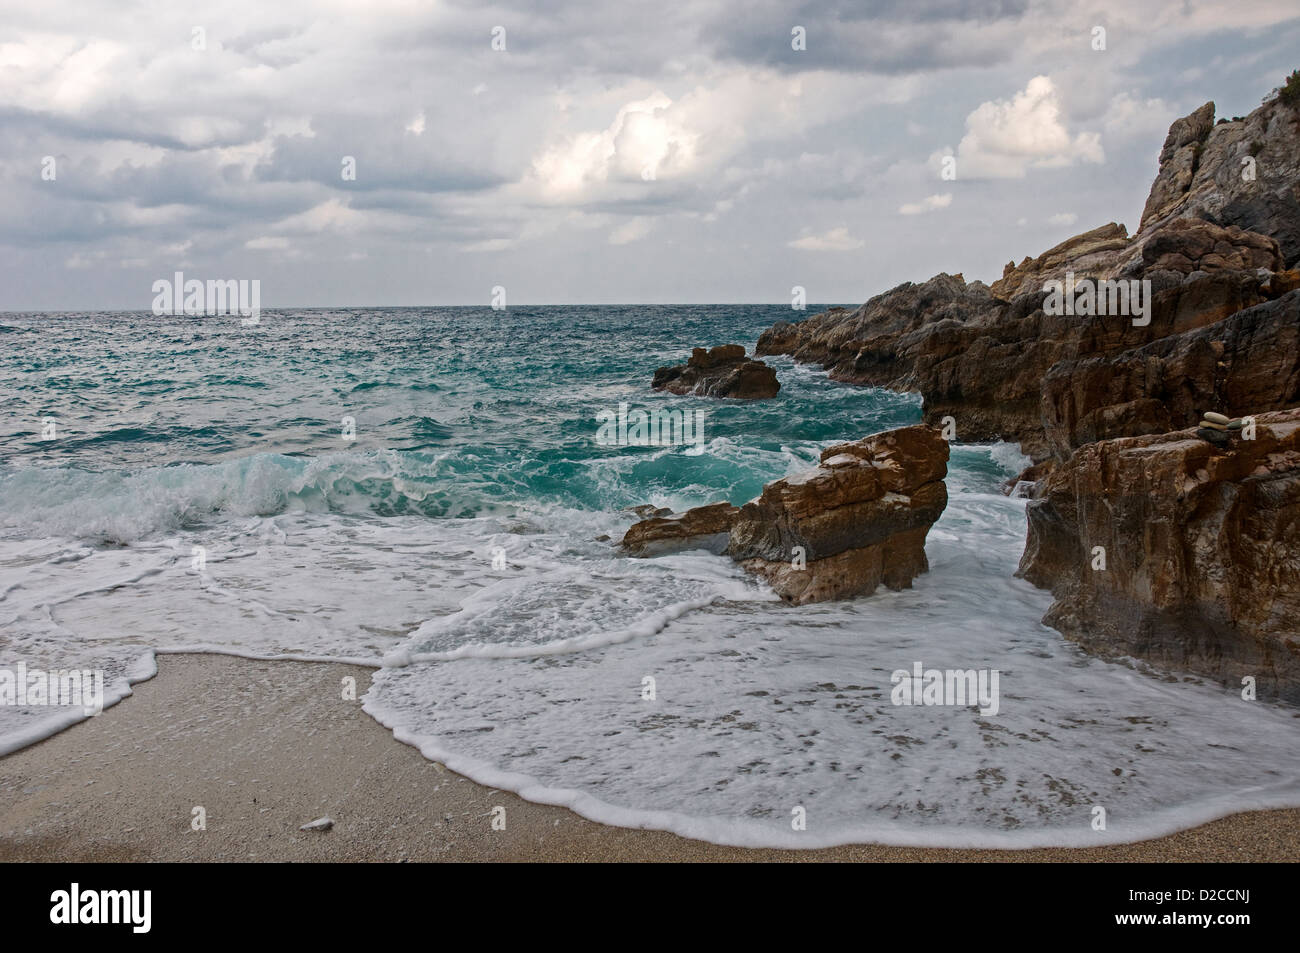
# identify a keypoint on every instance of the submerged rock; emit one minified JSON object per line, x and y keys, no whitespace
{"x":1179,"y":551}
{"x":721,"y":372}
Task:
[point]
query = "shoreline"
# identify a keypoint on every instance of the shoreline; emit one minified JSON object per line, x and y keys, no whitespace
{"x":265,"y":746}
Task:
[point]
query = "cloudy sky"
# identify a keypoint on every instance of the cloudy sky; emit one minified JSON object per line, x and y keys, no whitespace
{"x":613,"y":151}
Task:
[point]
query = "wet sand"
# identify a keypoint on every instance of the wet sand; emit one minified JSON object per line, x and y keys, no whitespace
{"x":265,"y":747}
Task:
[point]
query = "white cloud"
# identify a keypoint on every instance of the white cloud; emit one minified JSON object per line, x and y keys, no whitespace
{"x":645,"y":142}
{"x":1004,"y":139}
{"x":267,"y":243}
{"x":490,"y":244}
{"x":416,"y":125}
{"x":837,"y":239}
{"x":632,"y":230}
{"x":928,"y":204}
{"x":1063,"y":218}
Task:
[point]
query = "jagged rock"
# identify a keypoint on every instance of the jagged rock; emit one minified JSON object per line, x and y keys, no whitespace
{"x":780,"y":338}
{"x":1204,"y":175}
{"x":704,"y":527}
{"x":647,"y":510}
{"x":855,"y":521}
{"x":991,"y":358}
{"x":1031,"y":482}
{"x":858,"y":520}
{"x":1178,"y":162}
{"x":1187,"y":245}
{"x":722,"y":372}
{"x":1248,"y":362}
{"x":1092,"y":254}
{"x":1200,"y":545}
{"x":1279,"y":283}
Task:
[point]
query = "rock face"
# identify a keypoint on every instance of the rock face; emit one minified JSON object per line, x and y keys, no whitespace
{"x":857,"y":520}
{"x":1202,"y":552}
{"x":1091,"y":254}
{"x":704,"y":527}
{"x":1245,"y":363}
{"x":721,"y":372}
{"x":1204,"y":174}
{"x":860,"y":518}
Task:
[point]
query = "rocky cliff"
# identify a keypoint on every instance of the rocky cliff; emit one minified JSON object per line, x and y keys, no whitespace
{"x":1176,"y":551}
{"x":1218,"y":236}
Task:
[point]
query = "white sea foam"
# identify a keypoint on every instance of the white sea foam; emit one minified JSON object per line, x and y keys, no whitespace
{"x":531,"y":677}
{"x":760,"y":708}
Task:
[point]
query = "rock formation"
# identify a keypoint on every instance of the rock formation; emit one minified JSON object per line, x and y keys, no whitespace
{"x":857,"y":520}
{"x":1199,"y":530}
{"x":1199,"y":548}
{"x":1212,"y":244}
{"x":721,"y":372}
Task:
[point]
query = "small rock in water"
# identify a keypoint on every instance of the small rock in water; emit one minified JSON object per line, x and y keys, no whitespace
{"x":320,"y":824}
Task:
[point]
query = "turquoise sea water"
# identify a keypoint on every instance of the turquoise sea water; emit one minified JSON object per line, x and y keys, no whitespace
{"x":471,"y":523}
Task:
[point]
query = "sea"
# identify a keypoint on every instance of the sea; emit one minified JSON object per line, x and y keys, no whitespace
{"x":422,"y":490}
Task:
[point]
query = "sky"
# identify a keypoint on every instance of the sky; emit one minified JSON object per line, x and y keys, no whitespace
{"x":392,"y":152}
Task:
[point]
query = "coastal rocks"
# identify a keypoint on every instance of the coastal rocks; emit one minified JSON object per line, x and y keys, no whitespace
{"x":704,"y":527}
{"x":855,"y":522}
{"x":1244,"y":173}
{"x":1091,"y":254}
{"x":836,"y":338}
{"x":1179,"y":159}
{"x":1188,"y":245}
{"x":1248,"y":362}
{"x":1219,"y":237}
{"x":780,"y":338}
{"x":723,"y":371}
{"x":1179,"y":552}
{"x":841,"y":529}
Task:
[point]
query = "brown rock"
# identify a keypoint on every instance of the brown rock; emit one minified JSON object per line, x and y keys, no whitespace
{"x":1200,"y":546}
{"x":1248,"y":362}
{"x":1091,"y":254}
{"x":704,"y":527}
{"x":1238,"y":173}
{"x":860,"y":518}
{"x":1186,"y":245}
{"x":721,"y":372}
{"x":1031,"y":482}
{"x":1178,"y":162}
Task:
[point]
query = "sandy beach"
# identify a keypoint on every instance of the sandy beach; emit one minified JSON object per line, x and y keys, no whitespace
{"x":265,"y":747}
